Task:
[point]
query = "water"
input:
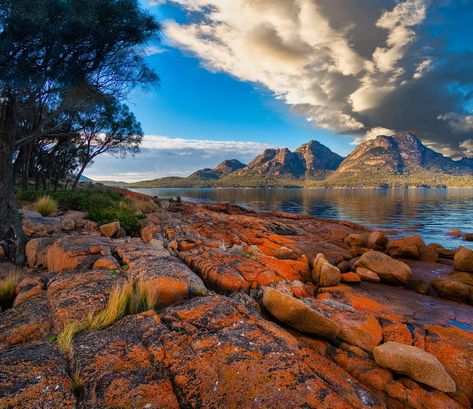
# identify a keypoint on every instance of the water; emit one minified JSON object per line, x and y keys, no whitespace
{"x":427,"y":211}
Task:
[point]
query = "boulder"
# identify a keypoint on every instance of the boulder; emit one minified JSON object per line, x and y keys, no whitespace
{"x":68,"y":224}
{"x":35,"y":376}
{"x":324,"y":273}
{"x":415,"y":363}
{"x":2,"y":253}
{"x":76,"y":251}
{"x":110,"y":229}
{"x":377,"y":241}
{"x":357,"y":240}
{"x":298,"y":315}
{"x":27,"y":321}
{"x":357,"y":328}
{"x":405,"y":247}
{"x":41,"y":226}
{"x":367,"y":275}
{"x":284,"y":253}
{"x":387,"y":268}
{"x":167,"y":278}
{"x":457,"y":286}
{"x":36,"y":251}
{"x":463,"y":260}
{"x":429,"y":253}
{"x":350,"y":277}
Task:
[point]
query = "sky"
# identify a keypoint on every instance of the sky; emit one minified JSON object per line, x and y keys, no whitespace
{"x":240,"y":76}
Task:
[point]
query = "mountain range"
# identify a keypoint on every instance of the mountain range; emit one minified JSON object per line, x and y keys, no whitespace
{"x":397,"y":160}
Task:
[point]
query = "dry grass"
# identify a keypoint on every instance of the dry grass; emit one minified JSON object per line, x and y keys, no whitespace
{"x":46,"y":205}
{"x":117,"y":307}
{"x":138,"y":205}
{"x":124,"y":300}
{"x":64,"y":338}
{"x":77,"y":384}
{"x":8,"y":289}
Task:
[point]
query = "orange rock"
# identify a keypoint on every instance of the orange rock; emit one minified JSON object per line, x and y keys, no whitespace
{"x":35,"y":375}
{"x":367,"y":275}
{"x":74,"y":296}
{"x":76,"y":251}
{"x":405,"y":247}
{"x":110,"y":229}
{"x":106,"y":263}
{"x":398,"y":332}
{"x":350,"y":277}
{"x":117,"y":368}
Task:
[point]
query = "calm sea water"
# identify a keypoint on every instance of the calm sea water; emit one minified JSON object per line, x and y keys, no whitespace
{"x":428,"y":212}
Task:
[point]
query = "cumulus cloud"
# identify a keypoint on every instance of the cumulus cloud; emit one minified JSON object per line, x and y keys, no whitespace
{"x":164,"y":156}
{"x":349,"y":66}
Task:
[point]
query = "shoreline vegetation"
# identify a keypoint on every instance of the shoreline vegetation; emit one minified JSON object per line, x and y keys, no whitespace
{"x":438,"y":181}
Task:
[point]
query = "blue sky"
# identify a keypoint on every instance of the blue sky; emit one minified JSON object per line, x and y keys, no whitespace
{"x":209,"y":104}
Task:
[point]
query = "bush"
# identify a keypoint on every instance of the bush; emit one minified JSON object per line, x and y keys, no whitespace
{"x":46,"y":205}
{"x":129,"y":220}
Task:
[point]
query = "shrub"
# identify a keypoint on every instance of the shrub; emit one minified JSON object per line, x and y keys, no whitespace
{"x":8,"y":290}
{"x":46,"y":205}
{"x":128,"y":219}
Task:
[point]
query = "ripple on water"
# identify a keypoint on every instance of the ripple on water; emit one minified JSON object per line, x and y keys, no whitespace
{"x":428,"y":212}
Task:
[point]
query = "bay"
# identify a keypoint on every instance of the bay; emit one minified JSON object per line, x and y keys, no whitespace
{"x":430,"y":212}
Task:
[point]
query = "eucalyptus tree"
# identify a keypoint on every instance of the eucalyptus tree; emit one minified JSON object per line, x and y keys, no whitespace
{"x":56,"y":55}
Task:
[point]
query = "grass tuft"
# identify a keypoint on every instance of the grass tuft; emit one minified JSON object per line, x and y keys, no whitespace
{"x":8,"y":290}
{"x":46,"y":205}
{"x":77,"y":385}
{"x":64,"y":338}
{"x":117,"y":307}
{"x":124,"y":300}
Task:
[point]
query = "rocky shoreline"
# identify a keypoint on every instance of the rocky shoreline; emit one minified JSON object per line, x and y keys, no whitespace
{"x":250,"y":310}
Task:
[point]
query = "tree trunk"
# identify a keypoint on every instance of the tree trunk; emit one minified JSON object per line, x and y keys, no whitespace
{"x":11,"y":235}
{"x":77,"y":179}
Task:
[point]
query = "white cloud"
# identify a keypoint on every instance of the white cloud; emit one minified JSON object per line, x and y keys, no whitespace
{"x":294,"y":48}
{"x":398,"y":22}
{"x":164,"y":156}
{"x":424,"y":67}
{"x":458,"y":122}
{"x":372,"y":134}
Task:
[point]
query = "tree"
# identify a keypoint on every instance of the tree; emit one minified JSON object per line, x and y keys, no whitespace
{"x":110,"y":127}
{"x":56,"y":55}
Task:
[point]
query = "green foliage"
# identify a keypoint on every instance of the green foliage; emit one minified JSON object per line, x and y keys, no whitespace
{"x":103,"y":205}
{"x":128,"y":219}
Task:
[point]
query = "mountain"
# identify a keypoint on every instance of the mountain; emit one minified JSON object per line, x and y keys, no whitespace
{"x":275,"y":162}
{"x":222,"y":169}
{"x":393,"y":158}
{"x":317,"y":158}
{"x":398,"y":160}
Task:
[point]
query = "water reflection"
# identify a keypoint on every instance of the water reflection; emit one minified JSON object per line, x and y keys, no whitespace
{"x":429,"y":212}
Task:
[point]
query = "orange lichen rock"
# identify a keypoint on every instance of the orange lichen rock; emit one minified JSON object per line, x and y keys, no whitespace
{"x":35,"y":375}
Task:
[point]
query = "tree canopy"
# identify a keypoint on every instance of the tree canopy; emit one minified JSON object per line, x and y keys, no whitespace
{"x":60,"y":60}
